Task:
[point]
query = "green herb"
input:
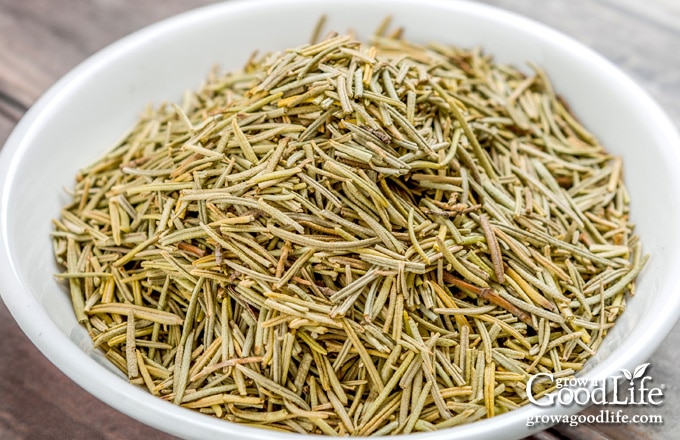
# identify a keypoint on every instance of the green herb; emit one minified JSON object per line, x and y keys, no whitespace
{"x":351,"y":238}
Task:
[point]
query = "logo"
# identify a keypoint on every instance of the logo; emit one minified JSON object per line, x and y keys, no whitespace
{"x":630,"y":389}
{"x":637,"y":373}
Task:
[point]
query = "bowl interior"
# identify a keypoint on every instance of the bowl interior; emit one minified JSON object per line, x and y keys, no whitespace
{"x":83,"y":115}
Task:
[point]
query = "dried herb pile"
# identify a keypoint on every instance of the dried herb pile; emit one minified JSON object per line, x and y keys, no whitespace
{"x":349,"y":238}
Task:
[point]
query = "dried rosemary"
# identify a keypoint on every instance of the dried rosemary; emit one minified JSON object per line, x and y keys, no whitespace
{"x":352,"y":239}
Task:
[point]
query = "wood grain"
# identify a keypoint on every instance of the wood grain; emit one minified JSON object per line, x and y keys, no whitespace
{"x":38,"y":402}
{"x":41,"y":40}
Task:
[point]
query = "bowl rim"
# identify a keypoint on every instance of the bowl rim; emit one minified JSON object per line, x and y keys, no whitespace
{"x":73,"y":362}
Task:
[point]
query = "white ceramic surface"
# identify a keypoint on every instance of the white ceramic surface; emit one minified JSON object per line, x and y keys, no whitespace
{"x":85,"y":112}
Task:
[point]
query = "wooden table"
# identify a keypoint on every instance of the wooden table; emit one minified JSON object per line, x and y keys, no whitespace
{"x":41,"y":40}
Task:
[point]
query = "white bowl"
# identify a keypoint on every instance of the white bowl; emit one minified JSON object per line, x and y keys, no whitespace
{"x":85,"y":112}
